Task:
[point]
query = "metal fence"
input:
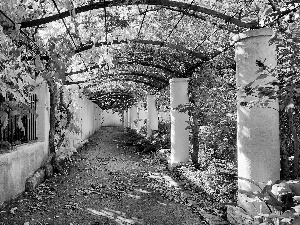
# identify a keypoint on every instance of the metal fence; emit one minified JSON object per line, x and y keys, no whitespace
{"x":19,"y":128}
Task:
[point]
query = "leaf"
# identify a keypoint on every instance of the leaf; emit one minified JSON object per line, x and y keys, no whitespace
{"x":262,"y":76}
{"x":268,"y":187}
{"x":14,"y":113}
{"x":287,"y":214}
{"x":275,"y":203}
{"x":268,"y":11}
{"x":296,"y":198}
{"x":286,"y":220}
{"x":250,"y":194}
{"x":296,"y":221}
{"x":20,"y":124}
{"x":13,"y":210}
{"x":73,"y":13}
{"x":250,"y":181}
{"x":288,"y":103}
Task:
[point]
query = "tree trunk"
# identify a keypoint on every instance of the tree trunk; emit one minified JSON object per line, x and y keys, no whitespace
{"x":194,"y":127}
{"x":284,"y":161}
{"x":62,"y":106}
{"x":195,"y":142}
{"x":53,"y":103}
{"x":296,"y":154}
{"x":296,"y":143}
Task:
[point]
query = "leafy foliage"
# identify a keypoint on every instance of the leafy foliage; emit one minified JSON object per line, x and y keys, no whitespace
{"x":67,"y":119}
{"x":136,"y":47}
{"x":281,"y":200}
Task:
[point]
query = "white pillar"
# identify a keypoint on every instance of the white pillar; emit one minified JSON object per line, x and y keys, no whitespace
{"x":125,"y":118}
{"x":143,"y":114}
{"x":139,"y":115}
{"x":43,"y":111}
{"x":257,"y":128}
{"x":133,"y":117}
{"x":129,"y":117}
{"x":179,"y":133}
{"x":152,"y":118}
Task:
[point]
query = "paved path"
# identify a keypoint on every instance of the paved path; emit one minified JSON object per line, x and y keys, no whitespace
{"x":107,"y":184}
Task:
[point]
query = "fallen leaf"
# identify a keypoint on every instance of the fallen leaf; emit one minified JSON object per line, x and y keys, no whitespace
{"x":12,"y":211}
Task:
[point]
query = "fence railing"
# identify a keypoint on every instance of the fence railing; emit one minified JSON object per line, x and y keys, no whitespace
{"x":18,"y":127}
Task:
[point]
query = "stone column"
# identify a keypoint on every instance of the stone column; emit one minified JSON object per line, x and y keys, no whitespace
{"x":125,"y":118}
{"x":143,"y":114}
{"x":139,"y":115}
{"x":133,"y":117}
{"x":128,"y":117}
{"x":257,"y":128}
{"x":152,"y":118}
{"x":179,"y":133}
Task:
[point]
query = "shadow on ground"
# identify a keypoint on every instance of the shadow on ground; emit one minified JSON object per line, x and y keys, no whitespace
{"x":107,"y":182}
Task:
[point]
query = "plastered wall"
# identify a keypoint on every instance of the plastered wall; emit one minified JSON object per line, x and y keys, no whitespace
{"x":88,"y":118}
{"x":18,"y":165}
{"x":111,"y":118}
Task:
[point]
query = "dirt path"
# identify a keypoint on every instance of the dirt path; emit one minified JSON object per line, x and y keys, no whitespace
{"x":107,"y":184}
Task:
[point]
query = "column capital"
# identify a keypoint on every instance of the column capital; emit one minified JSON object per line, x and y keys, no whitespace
{"x":178,"y":80}
{"x":253,"y":33}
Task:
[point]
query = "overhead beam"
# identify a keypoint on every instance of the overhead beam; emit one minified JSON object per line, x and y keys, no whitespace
{"x":134,"y":73}
{"x":143,"y":63}
{"x":197,"y":16}
{"x":182,"y":6}
{"x":154,"y":79}
{"x":146,"y":42}
{"x":150,"y":84}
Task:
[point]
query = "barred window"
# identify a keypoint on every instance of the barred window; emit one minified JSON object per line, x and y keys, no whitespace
{"x":17,"y":122}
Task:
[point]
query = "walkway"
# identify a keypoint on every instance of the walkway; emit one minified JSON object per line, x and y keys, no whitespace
{"x":107,"y":184}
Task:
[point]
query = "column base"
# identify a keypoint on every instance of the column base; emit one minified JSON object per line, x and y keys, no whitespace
{"x":171,"y":166}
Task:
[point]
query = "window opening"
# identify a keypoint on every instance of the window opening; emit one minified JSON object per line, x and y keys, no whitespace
{"x":18,"y":121}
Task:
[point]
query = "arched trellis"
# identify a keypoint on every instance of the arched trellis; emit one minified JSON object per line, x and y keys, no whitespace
{"x":185,"y":8}
{"x":181,"y":6}
{"x":170,"y":5}
{"x":113,"y":99}
{"x":188,"y":9}
{"x":165,"y":69}
{"x":197,"y":55}
{"x":166,"y":72}
{"x":150,"y":80}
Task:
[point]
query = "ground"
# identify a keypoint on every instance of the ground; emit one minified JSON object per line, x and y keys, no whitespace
{"x":107,"y":182}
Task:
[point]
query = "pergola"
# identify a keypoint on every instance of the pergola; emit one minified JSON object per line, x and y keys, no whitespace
{"x":158,"y":43}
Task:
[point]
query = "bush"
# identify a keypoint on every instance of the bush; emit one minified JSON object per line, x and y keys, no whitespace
{"x":161,"y":139}
{"x":158,"y":140}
